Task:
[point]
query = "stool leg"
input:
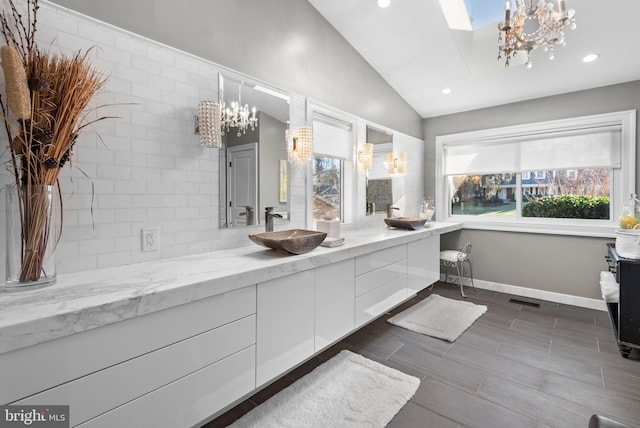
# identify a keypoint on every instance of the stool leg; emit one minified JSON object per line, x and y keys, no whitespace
{"x":471,"y":273}
{"x":460,"y":269}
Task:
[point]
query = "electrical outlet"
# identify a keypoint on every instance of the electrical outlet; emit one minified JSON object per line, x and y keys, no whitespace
{"x":151,"y":239}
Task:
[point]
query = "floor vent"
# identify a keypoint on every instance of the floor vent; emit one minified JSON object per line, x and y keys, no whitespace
{"x":524,"y":302}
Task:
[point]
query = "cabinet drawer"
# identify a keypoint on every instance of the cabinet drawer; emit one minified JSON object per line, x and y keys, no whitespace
{"x":376,"y":260}
{"x":374,"y":279}
{"x":30,"y":370}
{"x":107,"y":389}
{"x":378,"y":301}
{"x":188,"y":401}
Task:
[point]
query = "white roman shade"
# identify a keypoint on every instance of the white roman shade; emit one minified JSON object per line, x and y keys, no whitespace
{"x":332,"y":137}
{"x":598,"y":147}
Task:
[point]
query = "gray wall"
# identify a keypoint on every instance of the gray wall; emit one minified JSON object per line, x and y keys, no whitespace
{"x":562,"y":264}
{"x":286,"y":43}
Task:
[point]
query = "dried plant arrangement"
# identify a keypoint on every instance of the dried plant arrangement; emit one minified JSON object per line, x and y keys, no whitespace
{"x":47,"y":105}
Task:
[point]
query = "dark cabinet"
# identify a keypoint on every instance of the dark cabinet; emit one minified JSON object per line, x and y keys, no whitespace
{"x":625,"y":315}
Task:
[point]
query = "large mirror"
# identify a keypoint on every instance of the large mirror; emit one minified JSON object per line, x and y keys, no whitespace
{"x":253,"y":162}
{"x":379,"y":183}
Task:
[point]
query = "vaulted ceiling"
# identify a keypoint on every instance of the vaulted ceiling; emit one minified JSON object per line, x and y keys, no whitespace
{"x":412,"y":47}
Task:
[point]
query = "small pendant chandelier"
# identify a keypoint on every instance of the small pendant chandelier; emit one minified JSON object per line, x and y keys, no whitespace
{"x":238,"y":115}
{"x":531,"y":27}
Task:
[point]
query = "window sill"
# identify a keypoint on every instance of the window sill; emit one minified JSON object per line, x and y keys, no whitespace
{"x":549,"y":229}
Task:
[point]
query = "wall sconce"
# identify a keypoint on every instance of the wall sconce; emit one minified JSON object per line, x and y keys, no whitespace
{"x":365,"y":156}
{"x":209,"y":125}
{"x":300,"y":144}
{"x":397,"y":163}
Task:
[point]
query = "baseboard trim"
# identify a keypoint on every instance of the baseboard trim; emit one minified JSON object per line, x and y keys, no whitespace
{"x":550,"y":296}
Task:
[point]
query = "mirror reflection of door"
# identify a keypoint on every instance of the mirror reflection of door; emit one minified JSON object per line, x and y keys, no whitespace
{"x":242,"y":165}
{"x":272,"y":107}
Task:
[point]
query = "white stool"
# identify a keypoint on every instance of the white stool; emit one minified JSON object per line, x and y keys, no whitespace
{"x":456,"y":259}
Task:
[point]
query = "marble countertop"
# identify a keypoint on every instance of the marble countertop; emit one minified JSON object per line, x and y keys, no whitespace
{"x":90,"y":299}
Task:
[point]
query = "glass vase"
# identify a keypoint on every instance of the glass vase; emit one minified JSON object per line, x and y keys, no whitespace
{"x":33,"y":215}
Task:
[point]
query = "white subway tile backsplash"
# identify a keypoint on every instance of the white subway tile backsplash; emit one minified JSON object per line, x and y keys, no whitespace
{"x":147,"y":201}
{"x":96,"y":246}
{"x":131,"y":214}
{"x":114,"y":55}
{"x":143,"y":166}
{"x":162,"y":54}
{"x":173,"y":73}
{"x":77,"y":263}
{"x":114,"y":259}
{"x":115,"y":201}
{"x":101,"y":35}
{"x":130,"y":74}
{"x":138,"y":48}
{"x":145,"y":64}
{"x":107,"y":171}
{"x":144,"y":91}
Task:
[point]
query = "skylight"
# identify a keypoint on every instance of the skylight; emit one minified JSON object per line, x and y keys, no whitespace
{"x":472,"y":14}
{"x":484,"y":12}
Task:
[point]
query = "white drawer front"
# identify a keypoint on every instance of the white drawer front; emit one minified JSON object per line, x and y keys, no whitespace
{"x":286,"y":322}
{"x":423,"y":263}
{"x":188,"y":401}
{"x":378,"y":301}
{"x":334,"y":301}
{"x":107,"y":389}
{"x":378,"y":259}
{"x":30,"y":370}
{"x":374,"y":279}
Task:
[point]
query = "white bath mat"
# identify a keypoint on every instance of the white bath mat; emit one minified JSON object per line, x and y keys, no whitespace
{"x":439,"y":317}
{"x":347,"y":391}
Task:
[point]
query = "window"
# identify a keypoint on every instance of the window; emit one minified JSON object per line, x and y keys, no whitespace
{"x":332,"y":169}
{"x":566,"y":176}
{"x":327,"y":187}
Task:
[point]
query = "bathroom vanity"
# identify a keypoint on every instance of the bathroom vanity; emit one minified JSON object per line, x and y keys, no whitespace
{"x":176,"y":342}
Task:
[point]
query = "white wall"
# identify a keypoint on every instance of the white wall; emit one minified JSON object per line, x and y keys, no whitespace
{"x":284,"y":42}
{"x":144,"y":168}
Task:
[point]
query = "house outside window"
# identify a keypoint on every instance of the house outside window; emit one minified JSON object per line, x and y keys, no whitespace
{"x":533,"y":177}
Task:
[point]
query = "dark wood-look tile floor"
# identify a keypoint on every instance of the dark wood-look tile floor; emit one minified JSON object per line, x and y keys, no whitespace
{"x":516,"y":366}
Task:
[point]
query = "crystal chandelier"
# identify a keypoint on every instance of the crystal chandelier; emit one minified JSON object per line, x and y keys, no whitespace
{"x":238,"y":115}
{"x":531,"y":27}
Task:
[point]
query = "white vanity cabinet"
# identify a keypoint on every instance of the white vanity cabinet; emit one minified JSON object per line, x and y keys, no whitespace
{"x":285,"y":323}
{"x":423,"y":262}
{"x":334,"y":302}
{"x":381,"y":282}
{"x":177,"y":358}
{"x":175,"y":366}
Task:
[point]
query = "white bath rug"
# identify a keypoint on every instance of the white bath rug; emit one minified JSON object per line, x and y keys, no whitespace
{"x":439,"y":317}
{"x":347,"y":391}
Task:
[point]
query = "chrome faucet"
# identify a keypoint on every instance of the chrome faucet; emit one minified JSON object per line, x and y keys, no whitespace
{"x":390,"y":209}
{"x":248,"y":214}
{"x":268,"y":218}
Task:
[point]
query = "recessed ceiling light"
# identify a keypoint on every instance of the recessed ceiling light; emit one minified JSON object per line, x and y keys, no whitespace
{"x":591,"y":57}
{"x":384,"y":3}
{"x":446,"y":91}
